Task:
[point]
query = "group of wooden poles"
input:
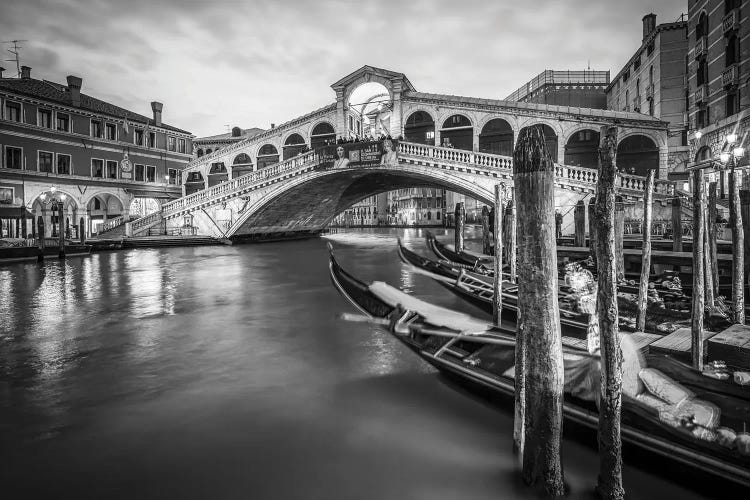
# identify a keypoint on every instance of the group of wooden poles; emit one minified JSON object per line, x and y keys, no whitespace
{"x":530,"y":232}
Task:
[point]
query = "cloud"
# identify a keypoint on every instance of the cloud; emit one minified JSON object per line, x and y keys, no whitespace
{"x":251,"y":63}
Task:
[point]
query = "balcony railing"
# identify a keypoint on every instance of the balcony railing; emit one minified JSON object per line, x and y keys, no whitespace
{"x":731,"y":21}
{"x":730,"y":77}
{"x":701,"y":47}
{"x":701,"y":95}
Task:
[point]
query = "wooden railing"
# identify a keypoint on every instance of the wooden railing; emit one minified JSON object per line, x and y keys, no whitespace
{"x":234,"y":186}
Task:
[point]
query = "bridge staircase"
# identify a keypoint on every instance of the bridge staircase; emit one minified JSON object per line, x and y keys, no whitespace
{"x":580,"y":181}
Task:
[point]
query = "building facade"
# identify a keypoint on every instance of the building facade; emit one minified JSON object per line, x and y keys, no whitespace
{"x":584,"y":89}
{"x":719,"y":80}
{"x":416,"y":207}
{"x":654,"y":82}
{"x":61,"y":146}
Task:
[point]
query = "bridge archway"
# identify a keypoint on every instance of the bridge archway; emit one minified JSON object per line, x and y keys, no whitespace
{"x":637,"y":154}
{"x":194,"y":182}
{"x":293,"y":145}
{"x":496,"y":137}
{"x":420,"y":128}
{"x":241,"y":165}
{"x":582,"y":149}
{"x":267,"y":155}
{"x":550,"y":138}
{"x":457,"y":131}
{"x":217,"y":173}
{"x":322,"y":134}
{"x":199,"y":153}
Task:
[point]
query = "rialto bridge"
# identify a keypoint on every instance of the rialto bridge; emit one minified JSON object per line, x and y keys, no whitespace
{"x":268,"y":184}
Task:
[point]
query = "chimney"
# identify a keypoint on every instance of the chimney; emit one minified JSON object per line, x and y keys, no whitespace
{"x":273,"y":126}
{"x":25,"y":72}
{"x":649,"y":25}
{"x":156,"y":107}
{"x":74,"y":87}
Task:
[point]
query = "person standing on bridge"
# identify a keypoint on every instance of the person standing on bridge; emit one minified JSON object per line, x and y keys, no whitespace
{"x":341,"y":161}
{"x":390,"y":157}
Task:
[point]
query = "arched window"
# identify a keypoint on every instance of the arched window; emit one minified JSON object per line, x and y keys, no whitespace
{"x":242,"y":159}
{"x":701,"y":29}
{"x":496,"y":138}
{"x":267,"y":155}
{"x":456,"y":121}
{"x":637,"y":154}
{"x":732,"y":54}
{"x":322,"y":134}
{"x":199,"y":153}
{"x":420,"y":127}
{"x":731,"y":4}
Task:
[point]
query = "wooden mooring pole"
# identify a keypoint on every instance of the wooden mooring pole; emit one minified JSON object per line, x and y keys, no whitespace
{"x":699,"y":200}
{"x":486,"y":231}
{"x":677,"y":224}
{"x":460,"y":216}
{"x":648,"y":210}
{"x":609,"y":484}
{"x":619,"y":237}
{"x":513,"y":241}
{"x":61,"y":231}
{"x":592,"y":229}
{"x":579,"y":224}
{"x":497,"y":306}
{"x":40,"y":232}
{"x":713,"y":258}
{"x":738,"y":249}
{"x":538,"y":315}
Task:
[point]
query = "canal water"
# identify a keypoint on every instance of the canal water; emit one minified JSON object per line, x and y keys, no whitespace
{"x":222,"y":372}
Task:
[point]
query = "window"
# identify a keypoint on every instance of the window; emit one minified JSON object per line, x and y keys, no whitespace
{"x":637,"y":63}
{"x":152,"y":139}
{"x":651,"y":107}
{"x":702,"y":73}
{"x":45,"y":161}
{"x":96,"y":129}
{"x":732,"y":54}
{"x":150,"y":173}
{"x":111,"y":130}
{"x":731,"y":103}
{"x":97,"y":204}
{"x":140,"y":173}
{"x":625,"y":76}
{"x":701,"y":29}
{"x":627,"y":99}
{"x":63,"y":164}
{"x":182,"y":145}
{"x":650,"y":49}
{"x":171,"y":145}
{"x":175,"y":176}
{"x":97,"y":168}
{"x":111,"y":169}
{"x":430,"y":135}
{"x":138,"y":137}
{"x":702,"y":117}
{"x":13,"y":157}
{"x":12,"y":111}
{"x":45,"y":118}
{"x":63,"y":122}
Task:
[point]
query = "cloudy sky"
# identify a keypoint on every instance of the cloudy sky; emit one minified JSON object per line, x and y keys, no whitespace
{"x":254,"y":62}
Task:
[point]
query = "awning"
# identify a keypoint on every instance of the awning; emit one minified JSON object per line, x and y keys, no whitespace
{"x":10,"y":212}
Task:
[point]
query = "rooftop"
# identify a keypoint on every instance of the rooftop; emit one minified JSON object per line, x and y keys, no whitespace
{"x":60,"y":94}
{"x":557,"y":77}
{"x":246,"y":133}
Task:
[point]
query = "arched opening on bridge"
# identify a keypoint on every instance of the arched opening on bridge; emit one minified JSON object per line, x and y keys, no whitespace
{"x":420,"y":128}
{"x":550,"y":138}
{"x":582,"y":149}
{"x":199,"y":152}
{"x":293,"y":146}
{"x":241,"y":165}
{"x":369,"y":109}
{"x":46,"y":206}
{"x":267,"y":155}
{"x":194,"y":182}
{"x":322,"y":134}
{"x":496,"y":138}
{"x":104,"y":207}
{"x":637,"y":154}
{"x":217,"y":174}
{"x":457,"y":132}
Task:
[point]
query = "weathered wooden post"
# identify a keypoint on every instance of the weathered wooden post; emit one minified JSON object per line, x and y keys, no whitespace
{"x":648,"y":210}
{"x":82,"y":231}
{"x":699,"y":199}
{"x":579,"y":224}
{"x":745,"y":212}
{"x":61,"y":231}
{"x":513,"y":240}
{"x":40,"y":232}
{"x":677,"y":224}
{"x":497,"y":308}
{"x":460,"y":216}
{"x":619,"y":237}
{"x":738,"y":250}
{"x":708,"y":277}
{"x":485,"y":231}
{"x":713,"y":258}
{"x":610,"y":441}
{"x":24,"y":231}
{"x":538,"y":315}
{"x":592,"y":229}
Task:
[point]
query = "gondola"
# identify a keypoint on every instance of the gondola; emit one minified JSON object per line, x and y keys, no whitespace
{"x":482,"y":357}
{"x":478,"y":290}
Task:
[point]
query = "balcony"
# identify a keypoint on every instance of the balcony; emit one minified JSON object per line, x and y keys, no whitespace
{"x":731,"y":21}
{"x":650,"y":92}
{"x":701,"y":47}
{"x":730,"y":77}
{"x":701,"y":95}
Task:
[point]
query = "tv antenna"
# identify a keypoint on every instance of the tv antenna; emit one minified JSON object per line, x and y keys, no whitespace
{"x":15,"y":52}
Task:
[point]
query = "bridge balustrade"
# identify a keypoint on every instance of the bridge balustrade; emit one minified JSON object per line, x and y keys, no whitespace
{"x":112,"y":223}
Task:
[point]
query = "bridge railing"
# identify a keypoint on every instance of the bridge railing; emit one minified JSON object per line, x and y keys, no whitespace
{"x":227,"y":188}
{"x":571,"y":173}
{"x":145,"y":221}
{"x":112,"y":223}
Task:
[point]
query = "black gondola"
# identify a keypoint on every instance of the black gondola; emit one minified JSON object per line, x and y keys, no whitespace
{"x":482,"y":357}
